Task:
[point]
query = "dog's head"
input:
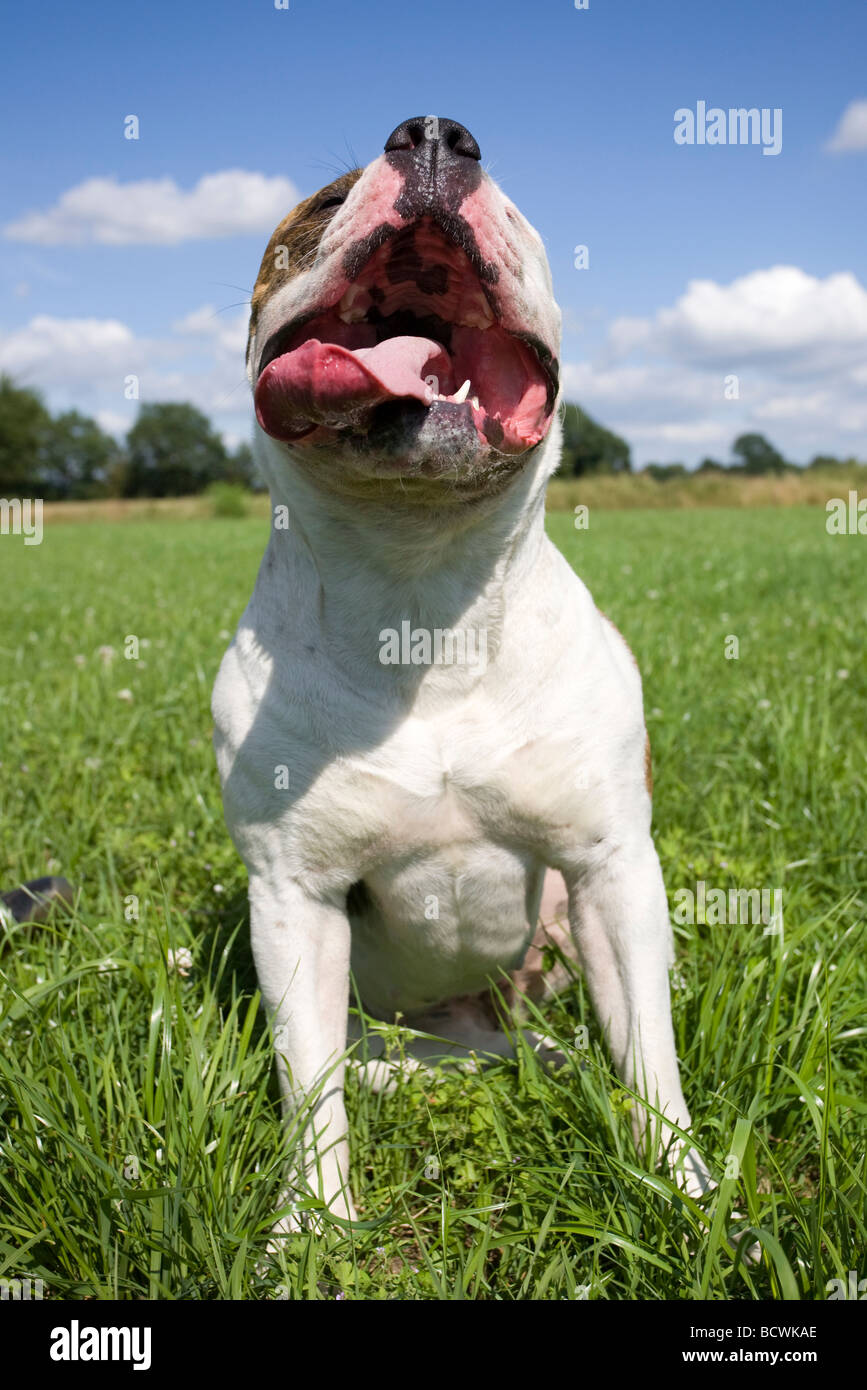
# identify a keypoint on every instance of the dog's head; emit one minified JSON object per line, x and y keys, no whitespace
{"x":403,"y":325}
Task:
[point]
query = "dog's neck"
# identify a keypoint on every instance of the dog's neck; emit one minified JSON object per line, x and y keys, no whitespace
{"x":356,"y":567}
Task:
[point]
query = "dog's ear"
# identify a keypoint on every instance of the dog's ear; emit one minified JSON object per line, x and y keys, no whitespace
{"x":294,"y":243}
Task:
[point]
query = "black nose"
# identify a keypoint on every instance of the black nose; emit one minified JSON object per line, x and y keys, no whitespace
{"x":418,"y":130}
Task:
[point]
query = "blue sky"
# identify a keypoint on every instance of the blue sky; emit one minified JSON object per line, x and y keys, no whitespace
{"x":706,"y":263}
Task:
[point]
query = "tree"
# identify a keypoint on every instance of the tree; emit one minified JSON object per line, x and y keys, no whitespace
{"x":79,"y":457}
{"x":590,"y":448}
{"x":663,"y":471}
{"x":825,"y":461}
{"x":757,"y":455}
{"x":242,"y":469}
{"x":24,"y":427}
{"x":172,"y":450}
{"x":710,"y":466}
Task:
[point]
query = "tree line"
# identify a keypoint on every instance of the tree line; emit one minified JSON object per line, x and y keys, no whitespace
{"x":173,"y":450}
{"x":590,"y":448}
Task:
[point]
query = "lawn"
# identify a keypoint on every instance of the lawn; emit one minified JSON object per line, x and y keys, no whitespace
{"x":139,"y":1122}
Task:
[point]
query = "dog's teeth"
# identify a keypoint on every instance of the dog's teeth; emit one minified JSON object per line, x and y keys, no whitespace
{"x":354,"y":304}
{"x":461,"y":395}
{"x":474,"y":402}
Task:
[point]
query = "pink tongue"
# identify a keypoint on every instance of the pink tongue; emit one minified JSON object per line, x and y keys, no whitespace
{"x":325,"y":384}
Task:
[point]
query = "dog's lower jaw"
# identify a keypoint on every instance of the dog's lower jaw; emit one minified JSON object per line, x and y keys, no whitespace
{"x":440,"y":484}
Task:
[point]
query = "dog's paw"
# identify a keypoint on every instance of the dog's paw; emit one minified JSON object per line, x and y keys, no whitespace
{"x":382,"y":1075}
{"x":752,"y":1251}
{"x":691,"y":1173}
{"x":549,"y":1052}
{"x":693,"y":1177}
{"x":297,"y":1216}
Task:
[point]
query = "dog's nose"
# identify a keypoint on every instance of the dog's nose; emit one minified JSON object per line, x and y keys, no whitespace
{"x":425,"y":130}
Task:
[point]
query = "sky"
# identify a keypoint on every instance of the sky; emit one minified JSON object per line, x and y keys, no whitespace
{"x":723,"y":289}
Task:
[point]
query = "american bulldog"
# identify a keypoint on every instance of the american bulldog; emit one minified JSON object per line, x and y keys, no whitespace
{"x":423,"y":723}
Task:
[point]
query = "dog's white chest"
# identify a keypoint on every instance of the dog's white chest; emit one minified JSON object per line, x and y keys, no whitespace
{"x":447,"y":824}
{"x":449,"y":900}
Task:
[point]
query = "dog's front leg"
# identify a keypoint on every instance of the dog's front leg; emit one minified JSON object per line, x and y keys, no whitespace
{"x":619,"y":918}
{"x":301,"y":947}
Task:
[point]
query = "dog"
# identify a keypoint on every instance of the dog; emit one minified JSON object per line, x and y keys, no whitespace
{"x":424,"y":726}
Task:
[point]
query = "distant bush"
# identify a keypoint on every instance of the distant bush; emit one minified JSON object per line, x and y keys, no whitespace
{"x":227,"y":499}
{"x":664,"y":472}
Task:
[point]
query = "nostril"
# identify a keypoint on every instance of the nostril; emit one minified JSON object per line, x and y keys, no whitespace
{"x":407,"y":136}
{"x":419,"y":130}
{"x":460,"y":141}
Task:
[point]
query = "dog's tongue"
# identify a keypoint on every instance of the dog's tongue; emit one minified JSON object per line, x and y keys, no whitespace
{"x":326,"y":384}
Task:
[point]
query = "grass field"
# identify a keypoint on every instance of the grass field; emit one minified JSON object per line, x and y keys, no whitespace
{"x":138,"y":1110}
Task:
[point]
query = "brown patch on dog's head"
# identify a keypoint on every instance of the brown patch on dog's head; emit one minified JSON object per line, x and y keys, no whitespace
{"x":294,"y":243}
{"x":648,"y":765}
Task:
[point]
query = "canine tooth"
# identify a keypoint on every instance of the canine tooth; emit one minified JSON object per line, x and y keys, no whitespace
{"x":474,"y":401}
{"x":461,"y":395}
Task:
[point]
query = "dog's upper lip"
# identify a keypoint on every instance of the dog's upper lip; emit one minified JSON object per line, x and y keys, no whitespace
{"x":279,"y":341}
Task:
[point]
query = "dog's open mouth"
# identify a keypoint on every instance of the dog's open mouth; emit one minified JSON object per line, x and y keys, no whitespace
{"x":416,"y":324}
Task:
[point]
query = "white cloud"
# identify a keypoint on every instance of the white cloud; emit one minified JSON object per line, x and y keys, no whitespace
{"x":707,"y":433}
{"x":227,"y":334}
{"x":84,"y":364}
{"x":792,"y":406}
{"x":233,"y":202}
{"x":72,"y":351}
{"x":781,"y":313}
{"x":662,"y":391}
{"x":113,"y":422}
{"x":796,"y":345}
{"x":851,"y":132}
{"x":628,"y":333}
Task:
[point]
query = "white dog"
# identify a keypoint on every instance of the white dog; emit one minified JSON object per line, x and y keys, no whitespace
{"x":422,"y":710}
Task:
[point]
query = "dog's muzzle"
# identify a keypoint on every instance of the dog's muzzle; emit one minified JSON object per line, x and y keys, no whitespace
{"x":419,"y":319}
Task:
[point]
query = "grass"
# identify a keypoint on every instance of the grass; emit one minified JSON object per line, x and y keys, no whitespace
{"x":139,"y":1124}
